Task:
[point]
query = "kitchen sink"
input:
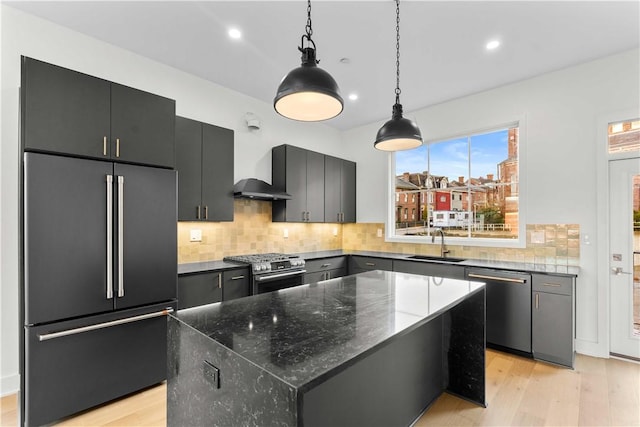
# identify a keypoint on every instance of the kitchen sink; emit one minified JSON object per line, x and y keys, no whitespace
{"x":435,"y":258}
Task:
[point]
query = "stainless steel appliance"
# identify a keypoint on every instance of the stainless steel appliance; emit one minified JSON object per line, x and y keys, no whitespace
{"x":100,"y":276}
{"x":508,"y":312}
{"x":272,"y":271}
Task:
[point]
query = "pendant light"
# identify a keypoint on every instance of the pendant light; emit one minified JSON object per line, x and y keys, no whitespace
{"x":308,"y":93}
{"x":398,"y":133}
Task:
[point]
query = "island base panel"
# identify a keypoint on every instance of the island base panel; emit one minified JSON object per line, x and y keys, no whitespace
{"x":390,"y":387}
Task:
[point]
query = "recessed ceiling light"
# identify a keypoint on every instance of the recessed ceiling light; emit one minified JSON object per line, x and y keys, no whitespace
{"x":493,"y":44}
{"x":353,"y":96}
{"x":234,"y":33}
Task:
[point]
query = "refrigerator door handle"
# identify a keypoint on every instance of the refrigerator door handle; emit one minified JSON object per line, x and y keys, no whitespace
{"x":109,"y":236}
{"x":120,"y":236}
{"x":74,"y":331}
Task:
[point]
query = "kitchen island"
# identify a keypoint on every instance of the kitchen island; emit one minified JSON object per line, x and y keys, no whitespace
{"x":374,"y":348}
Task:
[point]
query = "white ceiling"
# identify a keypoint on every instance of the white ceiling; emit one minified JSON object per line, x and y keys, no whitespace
{"x":442,"y":42}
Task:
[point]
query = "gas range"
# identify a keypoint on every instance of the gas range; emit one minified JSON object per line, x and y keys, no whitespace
{"x":270,"y":262}
{"x":272,"y":271}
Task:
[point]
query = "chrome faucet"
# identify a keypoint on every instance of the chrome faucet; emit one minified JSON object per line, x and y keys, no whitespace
{"x":443,"y":249}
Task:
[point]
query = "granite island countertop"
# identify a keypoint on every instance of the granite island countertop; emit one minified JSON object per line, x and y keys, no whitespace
{"x":306,"y":334}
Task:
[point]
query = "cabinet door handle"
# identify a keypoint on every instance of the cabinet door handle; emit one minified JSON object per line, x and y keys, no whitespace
{"x":206,"y":212}
{"x":537,"y":301}
{"x":117,"y":147}
{"x":237,"y":277}
{"x":198,"y":212}
{"x":120,"y":236}
{"x":104,"y":146}
{"x":109,"y":236}
{"x":370,"y":264}
{"x":325,"y":265}
{"x":303,"y":212}
{"x":553,"y":285}
{"x":219,"y":281}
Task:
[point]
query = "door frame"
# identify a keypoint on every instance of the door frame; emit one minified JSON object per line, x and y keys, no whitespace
{"x":603,"y":346}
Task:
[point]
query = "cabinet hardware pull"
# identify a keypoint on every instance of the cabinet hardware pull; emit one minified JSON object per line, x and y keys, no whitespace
{"x":104,"y":146}
{"x":370,"y":264}
{"x":237,"y":277}
{"x":496,"y":278}
{"x":325,"y":265}
{"x":219,"y":281}
{"x":198,"y":212}
{"x":303,"y":212}
{"x":120,"y":236}
{"x":109,"y":236}
{"x":117,"y":147}
{"x":537,"y":301}
{"x":45,"y":337}
{"x":553,"y":285}
{"x":206,"y":212}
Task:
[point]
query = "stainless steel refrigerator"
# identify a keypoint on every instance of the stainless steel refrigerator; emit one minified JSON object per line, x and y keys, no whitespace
{"x":100,"y":275}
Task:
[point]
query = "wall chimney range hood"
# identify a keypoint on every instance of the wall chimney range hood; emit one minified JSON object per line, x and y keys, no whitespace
{"x":257,"y":189}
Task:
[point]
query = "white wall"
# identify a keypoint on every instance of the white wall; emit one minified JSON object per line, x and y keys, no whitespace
{"x":560,"y":157}
{"x":23,"y":34}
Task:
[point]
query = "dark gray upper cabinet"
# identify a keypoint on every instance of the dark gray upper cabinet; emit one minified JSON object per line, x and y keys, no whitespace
{"x":339,"y":190}
{"x":300,"y":173}
{"x":204,"y":160}
{"x":64,"y":111}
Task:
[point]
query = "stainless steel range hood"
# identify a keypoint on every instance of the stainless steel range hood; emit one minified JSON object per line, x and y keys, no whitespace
{"x":257,"y":189}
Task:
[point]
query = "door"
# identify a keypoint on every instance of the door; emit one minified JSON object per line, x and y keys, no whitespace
{"x":624,"y":257}
{"x":315,"y":187}
{"x":217,"y":173}
{"x":65,"y":237}
{"x":142,"y":127}
{"x":332,"y":189}
{"x":64,"y":111}
{"x":189,"y":166}
{"x":146,"y":235}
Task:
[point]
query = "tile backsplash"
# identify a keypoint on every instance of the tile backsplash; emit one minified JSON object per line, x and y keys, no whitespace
{"x":253,"y":232}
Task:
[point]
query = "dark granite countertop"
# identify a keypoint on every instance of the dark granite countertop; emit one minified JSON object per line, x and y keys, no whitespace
{"x":502,"y":265}
{"x":200,"y":267}
{"x":306,"y":333}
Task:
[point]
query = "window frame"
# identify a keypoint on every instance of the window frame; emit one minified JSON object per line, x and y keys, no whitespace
{"x":519,"y":242}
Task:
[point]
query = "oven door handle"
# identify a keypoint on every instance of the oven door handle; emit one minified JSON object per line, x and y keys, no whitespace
{"x":278,"y":276}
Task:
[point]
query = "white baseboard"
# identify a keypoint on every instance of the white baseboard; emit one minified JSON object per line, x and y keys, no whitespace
{"x":591,"y":348}
{"x":9,"y":385}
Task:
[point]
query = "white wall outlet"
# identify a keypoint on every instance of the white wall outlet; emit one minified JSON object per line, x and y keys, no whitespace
{"x":335,"y":231}
{"x":196,"y":236}
{"x":537,"y":237}
{"x":379,"y":232}
{"x":285,"y":233}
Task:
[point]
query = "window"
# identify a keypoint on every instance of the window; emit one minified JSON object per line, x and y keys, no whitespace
{"x":624,"y":136}
{"x":470,"y":186}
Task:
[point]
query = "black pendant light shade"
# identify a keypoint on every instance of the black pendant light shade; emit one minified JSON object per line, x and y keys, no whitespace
{"x":308,"y":93}
{"x":399,"y":133}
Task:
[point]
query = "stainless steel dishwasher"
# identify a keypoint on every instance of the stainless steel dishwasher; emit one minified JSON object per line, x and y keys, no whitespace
{"x":508,"y":312}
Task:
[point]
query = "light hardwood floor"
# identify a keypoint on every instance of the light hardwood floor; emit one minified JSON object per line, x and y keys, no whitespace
{"x":520,"y":392}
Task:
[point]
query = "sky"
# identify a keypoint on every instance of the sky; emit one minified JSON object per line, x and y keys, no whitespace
{"x":450,"y":158}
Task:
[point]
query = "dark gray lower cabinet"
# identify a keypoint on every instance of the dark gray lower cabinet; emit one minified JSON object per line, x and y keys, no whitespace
{"x":325,"y":269}
{"x":360,"y":264}
{"x":199,"y":289}
{"x":213,"y":286}
{"x":71,"y":372}
{"x":450,"y":271}
{"x":552,"y":319}
{"x":235,"y":284}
